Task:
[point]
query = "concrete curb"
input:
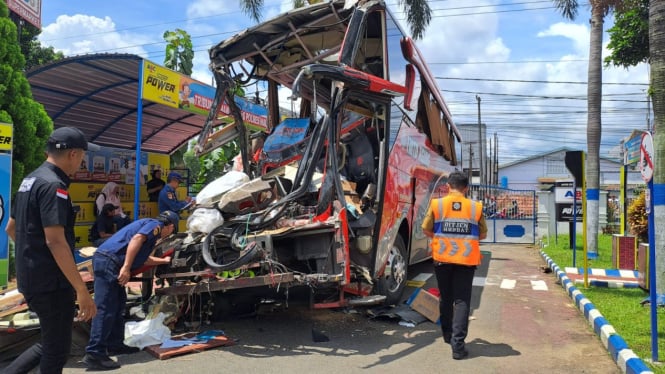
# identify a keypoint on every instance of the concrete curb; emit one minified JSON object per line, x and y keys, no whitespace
{"x":624,"y":357}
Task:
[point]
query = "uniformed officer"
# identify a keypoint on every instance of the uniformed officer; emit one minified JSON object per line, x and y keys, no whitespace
{"x":168,"y":200}
{"x":456,"y":225}
{"x":113,"y":262}
{"x":42,"y":228}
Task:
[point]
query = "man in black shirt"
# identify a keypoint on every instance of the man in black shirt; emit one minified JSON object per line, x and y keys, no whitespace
{"x":42,"y":227}
{"x":155,"y":185}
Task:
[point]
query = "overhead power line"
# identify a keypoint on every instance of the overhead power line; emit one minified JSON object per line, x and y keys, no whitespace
{"x":537,"y":81}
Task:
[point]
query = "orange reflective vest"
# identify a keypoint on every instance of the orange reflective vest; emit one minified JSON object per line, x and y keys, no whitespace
{"x":456,"y":230}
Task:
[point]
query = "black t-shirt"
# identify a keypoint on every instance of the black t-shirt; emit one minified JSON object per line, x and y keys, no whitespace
{"x":104,"y":223}
{"x":154,"y":182}
{"x":42,"y":200}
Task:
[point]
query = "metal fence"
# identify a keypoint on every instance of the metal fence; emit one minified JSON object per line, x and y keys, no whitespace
{"x":510,"y":214}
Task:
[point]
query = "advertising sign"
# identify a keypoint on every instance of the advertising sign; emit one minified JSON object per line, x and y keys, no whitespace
{"x":564,"y":212}
{"x":563,"y":192}
{"x":111,"y":165}
{"x":6,"y":133}
{"x":632,"y":149}
{"x":29,"y":10}
{"x":170,"y":88}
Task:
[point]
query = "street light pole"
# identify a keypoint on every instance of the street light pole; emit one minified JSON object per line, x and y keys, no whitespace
{"x":480,"y":144}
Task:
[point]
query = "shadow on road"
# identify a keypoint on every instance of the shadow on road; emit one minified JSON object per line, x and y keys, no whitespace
{"x":479,"y":347}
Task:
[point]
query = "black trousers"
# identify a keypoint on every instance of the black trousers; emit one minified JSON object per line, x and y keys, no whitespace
{"x":455,"y":284}
{"x":56,"y":319}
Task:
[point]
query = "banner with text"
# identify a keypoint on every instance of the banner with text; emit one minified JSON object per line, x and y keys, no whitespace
{"x":6,"y":135}
{"x":170,"y":88}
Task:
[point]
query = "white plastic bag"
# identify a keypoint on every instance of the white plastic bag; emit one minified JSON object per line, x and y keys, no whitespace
{"x":147,"y":332}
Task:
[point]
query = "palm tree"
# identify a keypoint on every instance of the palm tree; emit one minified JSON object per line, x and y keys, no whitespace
{"x":418,"y":12}
{"x":599,"y":9}
{"x":657,"y":60}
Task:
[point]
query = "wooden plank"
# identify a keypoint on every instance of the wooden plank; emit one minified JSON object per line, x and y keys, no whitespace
{"x":164,"y":353}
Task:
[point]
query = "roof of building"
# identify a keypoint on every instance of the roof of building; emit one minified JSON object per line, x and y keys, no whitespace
{"x":98,"y":94}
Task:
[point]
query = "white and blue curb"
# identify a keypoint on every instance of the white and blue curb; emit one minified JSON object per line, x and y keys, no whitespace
{"x":624,"y":357}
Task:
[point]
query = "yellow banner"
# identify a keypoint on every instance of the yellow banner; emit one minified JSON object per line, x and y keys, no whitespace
{"x":6,"y":134}
{"x":160,"y":84}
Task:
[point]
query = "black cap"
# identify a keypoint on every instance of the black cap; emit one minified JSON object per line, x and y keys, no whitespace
{"x":70,"y":138}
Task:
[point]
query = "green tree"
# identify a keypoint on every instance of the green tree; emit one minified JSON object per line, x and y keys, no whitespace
{"x":33,"y":51}
{"x":179,"y":57}
{"x":599,"y":9}
{"x":629,"y":37}
{"x":418,"y":12}
{"x":32,"y":125}
{"x":179,"y":51}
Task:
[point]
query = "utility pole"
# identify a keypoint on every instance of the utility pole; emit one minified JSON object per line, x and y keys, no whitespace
{"x":496,"y":159}
{"x":480,"y":145}
{"x":490,"y":164}
{"x":470,"y":162}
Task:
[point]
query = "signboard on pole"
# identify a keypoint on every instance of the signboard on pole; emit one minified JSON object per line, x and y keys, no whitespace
{"x":29,"y":10}
{"x":646,"y":157}
{"x":6,"y":137}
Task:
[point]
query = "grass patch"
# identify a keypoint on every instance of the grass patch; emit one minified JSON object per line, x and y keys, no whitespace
{"x":621,"y":307}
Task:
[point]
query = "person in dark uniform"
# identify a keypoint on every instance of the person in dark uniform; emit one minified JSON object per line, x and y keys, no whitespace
{"x":42,"y":227}
{"x":113,"y":262}
{"x":104,"y":226}
{"x":155,"y":185}
{"x":168,"y":200}
{"x":456,"y":225}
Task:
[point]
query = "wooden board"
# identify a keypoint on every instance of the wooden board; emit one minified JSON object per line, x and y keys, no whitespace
{"x":164,"y":353}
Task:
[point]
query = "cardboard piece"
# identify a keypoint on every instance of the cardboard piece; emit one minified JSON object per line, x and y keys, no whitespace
{"x":425,"y":303}
{"x":164,"y":353}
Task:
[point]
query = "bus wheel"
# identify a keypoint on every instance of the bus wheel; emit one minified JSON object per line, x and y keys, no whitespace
{"x":391,"y":284}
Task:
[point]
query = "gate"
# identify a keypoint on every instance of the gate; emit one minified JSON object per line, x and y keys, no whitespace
{"x":510,"y":214}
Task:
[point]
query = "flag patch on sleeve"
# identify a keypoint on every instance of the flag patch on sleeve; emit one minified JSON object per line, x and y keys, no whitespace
{"x":63,"y":194}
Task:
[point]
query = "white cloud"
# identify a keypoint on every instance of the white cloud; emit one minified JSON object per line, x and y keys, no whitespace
{"x":579,"y":34}
{"x":81,"y":34}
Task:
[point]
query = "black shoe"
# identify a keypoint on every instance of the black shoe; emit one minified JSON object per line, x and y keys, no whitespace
{"x":98,"y":363}
{"x":123,"y":350}
{"x":447,"y":337}
{"x":459,"y":355}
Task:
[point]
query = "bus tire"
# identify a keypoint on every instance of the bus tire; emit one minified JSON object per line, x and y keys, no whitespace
{"x":392,"y":282}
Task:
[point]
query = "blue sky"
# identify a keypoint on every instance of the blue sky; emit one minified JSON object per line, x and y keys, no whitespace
{"x":516,"y":55}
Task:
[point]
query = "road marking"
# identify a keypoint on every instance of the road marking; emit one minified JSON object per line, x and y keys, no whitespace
{"x":538,"y":285}
{"x":508,"y":284}
{"x":479,"y":281}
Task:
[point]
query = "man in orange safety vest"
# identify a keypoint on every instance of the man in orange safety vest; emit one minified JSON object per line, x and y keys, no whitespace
{"x":455,"y":225}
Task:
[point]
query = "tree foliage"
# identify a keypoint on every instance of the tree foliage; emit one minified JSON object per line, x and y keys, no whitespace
{"x":32,"y":125}
{"x":35,"y":54}
{"x":179,"y":51}
{"x":418,"y":12}
{"x":629,"y":37}
{"x":638,"y":219}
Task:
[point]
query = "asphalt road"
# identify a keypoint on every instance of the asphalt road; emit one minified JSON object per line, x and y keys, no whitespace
{"x":522,"y":322}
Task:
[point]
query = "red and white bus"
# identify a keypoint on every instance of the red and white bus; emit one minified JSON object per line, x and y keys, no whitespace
{"x":334,"y":198}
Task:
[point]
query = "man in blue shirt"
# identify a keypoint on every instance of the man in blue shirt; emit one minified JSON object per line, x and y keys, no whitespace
{"x":113,"y":263}
{"x":168,"y":200}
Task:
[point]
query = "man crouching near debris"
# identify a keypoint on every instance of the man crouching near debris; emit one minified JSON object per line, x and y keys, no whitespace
{"x":126,"y":250}
{"x":456,"y":225}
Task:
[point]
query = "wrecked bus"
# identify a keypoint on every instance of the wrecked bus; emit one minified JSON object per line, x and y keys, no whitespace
{"x":331,"y":199}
